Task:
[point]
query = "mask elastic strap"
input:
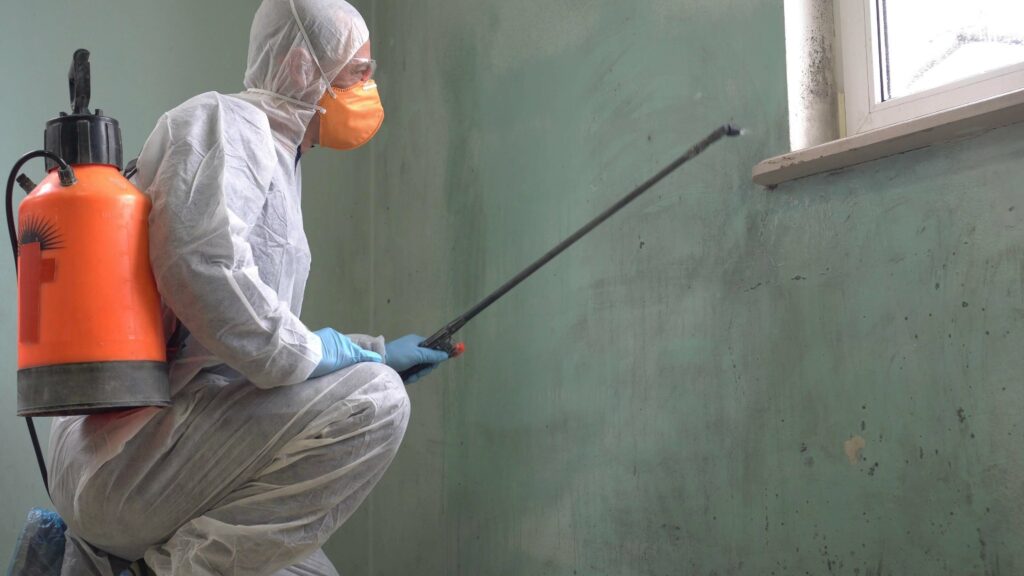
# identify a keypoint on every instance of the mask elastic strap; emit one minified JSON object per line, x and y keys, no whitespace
{"x":295,"y":101}
{"x":312,"y":53}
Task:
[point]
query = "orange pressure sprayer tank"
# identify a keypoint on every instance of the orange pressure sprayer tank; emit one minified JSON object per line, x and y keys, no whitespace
{"x":90,"y":335}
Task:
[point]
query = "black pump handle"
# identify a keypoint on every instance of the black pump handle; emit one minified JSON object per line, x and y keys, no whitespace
{"x":80,"y":82}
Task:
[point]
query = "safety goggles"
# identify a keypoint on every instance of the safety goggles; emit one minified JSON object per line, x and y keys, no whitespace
{"x":363,"y":67}
{"x":356,"y":71}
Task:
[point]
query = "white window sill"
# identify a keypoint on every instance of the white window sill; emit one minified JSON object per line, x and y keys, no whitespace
{"x":953,"y":124}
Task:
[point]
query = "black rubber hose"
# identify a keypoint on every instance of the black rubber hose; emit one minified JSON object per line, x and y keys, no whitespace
{"x":67,"y":178}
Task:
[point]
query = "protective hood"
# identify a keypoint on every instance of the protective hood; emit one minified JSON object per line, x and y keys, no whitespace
{"x":295,"y":48}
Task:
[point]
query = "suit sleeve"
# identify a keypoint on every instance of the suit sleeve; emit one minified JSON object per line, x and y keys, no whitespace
{"x":208,"y":190}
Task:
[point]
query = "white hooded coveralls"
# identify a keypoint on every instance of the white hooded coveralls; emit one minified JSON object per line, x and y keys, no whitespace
{"x":254,"y":466}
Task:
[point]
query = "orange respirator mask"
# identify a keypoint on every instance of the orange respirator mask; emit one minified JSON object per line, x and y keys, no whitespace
{"x":351,"y":116}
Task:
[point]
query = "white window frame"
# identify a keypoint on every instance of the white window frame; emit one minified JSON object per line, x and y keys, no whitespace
{"x":834,"y":120}
{"x":860,"y":82}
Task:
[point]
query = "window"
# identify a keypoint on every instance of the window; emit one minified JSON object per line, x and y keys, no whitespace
{"x":868,"y":79}
{"x":903,"y":59}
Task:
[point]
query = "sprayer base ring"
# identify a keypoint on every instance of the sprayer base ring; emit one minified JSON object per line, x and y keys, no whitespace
{"x":91,"y":388}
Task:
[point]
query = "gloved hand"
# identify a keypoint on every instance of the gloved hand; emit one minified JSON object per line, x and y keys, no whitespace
{"x":406,"y":352}
{"x":340,"y":352}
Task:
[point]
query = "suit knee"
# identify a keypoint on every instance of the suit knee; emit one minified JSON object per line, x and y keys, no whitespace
{"x":390,"y":397}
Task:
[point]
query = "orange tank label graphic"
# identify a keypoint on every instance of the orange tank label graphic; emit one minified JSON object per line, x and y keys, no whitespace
{"x":35,"y":236}
{"x":34,"y":271}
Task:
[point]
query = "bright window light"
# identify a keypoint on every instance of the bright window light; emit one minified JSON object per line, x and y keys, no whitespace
{"x":924,"y":44}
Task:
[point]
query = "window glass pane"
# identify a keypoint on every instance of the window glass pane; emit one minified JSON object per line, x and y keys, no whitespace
{"x":927,"y":43}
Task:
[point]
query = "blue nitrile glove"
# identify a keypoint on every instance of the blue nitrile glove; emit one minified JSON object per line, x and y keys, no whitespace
{"x":406,"y":352}
{"x":340,"y":352}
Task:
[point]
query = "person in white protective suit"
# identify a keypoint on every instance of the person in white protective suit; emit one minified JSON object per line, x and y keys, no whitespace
{"x":276,"y":433}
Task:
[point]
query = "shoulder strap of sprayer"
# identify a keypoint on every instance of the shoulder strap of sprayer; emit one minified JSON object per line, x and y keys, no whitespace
{"x":131,"y":169}
{"x":177,"y":339}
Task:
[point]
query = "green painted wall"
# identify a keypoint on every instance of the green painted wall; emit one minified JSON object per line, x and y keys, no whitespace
{"x":674,"y":395}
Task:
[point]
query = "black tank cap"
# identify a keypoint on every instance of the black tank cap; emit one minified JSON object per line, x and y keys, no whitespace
{"x":83,"y":137}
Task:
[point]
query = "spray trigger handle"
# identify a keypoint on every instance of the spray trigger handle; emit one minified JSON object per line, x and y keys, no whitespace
{"x":442,"y":343}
